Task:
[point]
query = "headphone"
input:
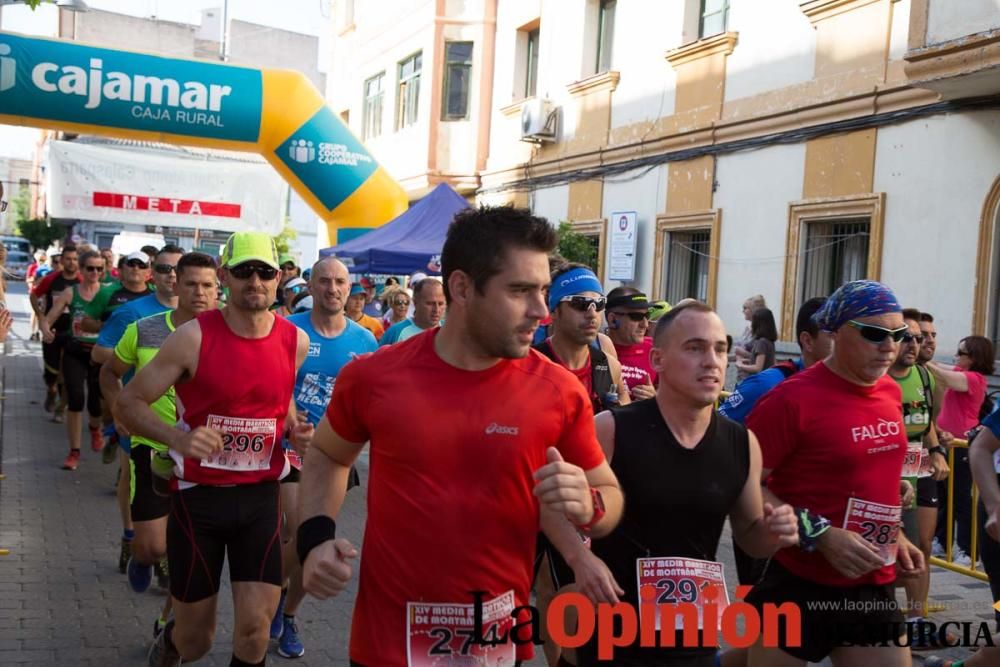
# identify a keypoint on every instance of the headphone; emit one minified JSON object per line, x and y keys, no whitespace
{"x":616,"y":324}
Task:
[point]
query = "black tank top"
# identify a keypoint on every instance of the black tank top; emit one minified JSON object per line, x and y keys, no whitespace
{"x":676,"y":499}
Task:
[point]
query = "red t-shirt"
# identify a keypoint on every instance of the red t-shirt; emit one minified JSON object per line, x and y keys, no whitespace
{"x":635,"y":362}
{"x":450,"y":504}
{"x":960,"y":409}
{"x":827,"y":440}
{"x":42,"y":288}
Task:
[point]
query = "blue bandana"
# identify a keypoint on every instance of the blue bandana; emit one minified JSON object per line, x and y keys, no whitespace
{"x":574,"y":281}
{"x":860,"y":298}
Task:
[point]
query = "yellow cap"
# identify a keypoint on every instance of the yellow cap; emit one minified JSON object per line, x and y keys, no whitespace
{"x":245,"y":247}
{"x":658,"y":309}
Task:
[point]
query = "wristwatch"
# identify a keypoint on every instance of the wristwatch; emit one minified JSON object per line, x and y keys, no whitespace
{"x":938,"y":449}
{"x":599,"y":509}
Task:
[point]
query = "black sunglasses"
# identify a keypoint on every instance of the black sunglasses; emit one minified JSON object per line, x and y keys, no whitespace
{"x":874,"y":334}
{"x":244,"y":271}
{"x":583,"y":303}
{"x":913,"y":338}
{"x":95,"y":269}
{"x":635,"y":317}
{"x":164,"y":269}
{"x":137,"y":264}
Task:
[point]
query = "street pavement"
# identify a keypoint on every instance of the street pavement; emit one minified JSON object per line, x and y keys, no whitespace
{"x":62,"y":600}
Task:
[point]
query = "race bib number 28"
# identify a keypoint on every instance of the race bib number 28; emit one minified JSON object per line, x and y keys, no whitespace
{"x":246,"y":443}
{"x":877,"y":523}
{"x":445,"y":634}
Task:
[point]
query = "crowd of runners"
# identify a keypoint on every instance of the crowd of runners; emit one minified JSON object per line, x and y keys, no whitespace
{"x":529,"y":436}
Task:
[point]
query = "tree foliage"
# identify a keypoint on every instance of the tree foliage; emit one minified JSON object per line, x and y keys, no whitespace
{"x":576,"y":247}
{"x":40,"y":233}
{"x":283,"y":241}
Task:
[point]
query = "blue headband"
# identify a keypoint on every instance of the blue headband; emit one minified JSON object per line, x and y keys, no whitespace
{"x":859,"y":298}
{"x":574,"y":281}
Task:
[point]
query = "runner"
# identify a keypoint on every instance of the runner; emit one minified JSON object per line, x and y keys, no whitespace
{"x":228,"y":454}
{"x":428,"y":309}
{"x":196,"y":293}
{"x":79,"y":374}
{"x":628,"y":326}
{"x":714,"y":469}
{"x":833,"y":443}
{"x":925,"y":464}
{"x":54,"y":283}
{"x":575,"y":303}
{"x":29,"y":279}
{"x":132,"y":286}
{"x":333,"y":341}
{"x":111,"y":272}
{"x":452,"y":472}
{"x":164,"y":298}
{"x":373,"y":305}
{"x":355,"y":312}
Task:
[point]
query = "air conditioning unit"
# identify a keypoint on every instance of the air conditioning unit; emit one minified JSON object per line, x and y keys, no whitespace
{"x":538,"y":120}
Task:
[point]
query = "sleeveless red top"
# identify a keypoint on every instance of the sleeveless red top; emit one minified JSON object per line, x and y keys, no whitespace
{"x":242,"y":388}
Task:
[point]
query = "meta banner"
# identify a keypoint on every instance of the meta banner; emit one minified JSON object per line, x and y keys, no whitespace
{"x":279,"y":114}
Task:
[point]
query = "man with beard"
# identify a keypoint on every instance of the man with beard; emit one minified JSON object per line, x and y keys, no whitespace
{"x":227,"y":452}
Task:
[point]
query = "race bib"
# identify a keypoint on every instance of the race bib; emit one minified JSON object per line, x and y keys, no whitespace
{"x":294,"y":459}
{"x":78,"y":327}
{"x":246,"y":443}
{"x":913,"y":459}
{"x":925,"y":464}
{"x":681,"y":581}
{"x":877,"y":523}
{"x":444,"y":634}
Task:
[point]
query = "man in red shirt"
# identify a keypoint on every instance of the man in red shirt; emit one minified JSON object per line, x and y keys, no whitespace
{"x":457,"y":477}
{"x":833,"y":442}
{"x":628,"y":324}
{"x":42,"y":296}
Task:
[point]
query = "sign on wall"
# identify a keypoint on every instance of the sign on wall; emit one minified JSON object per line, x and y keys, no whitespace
{"x":623,"y":234}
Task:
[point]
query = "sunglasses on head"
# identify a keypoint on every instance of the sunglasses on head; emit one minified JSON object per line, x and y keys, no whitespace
{"x":94,"y":269}
{"x":137,"y":264}
{"x":635,"y":317}
{"x":913,"y":338}
{"x":164,"y":268}
{"x":245,"y":271}
{"x":583,"y":303}
{"x":874,"y":334}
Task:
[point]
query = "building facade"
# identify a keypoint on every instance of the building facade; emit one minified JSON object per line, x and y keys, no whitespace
{"x":775,"y":148}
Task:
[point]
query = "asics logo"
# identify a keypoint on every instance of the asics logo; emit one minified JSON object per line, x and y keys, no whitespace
{"x":500,"y":429}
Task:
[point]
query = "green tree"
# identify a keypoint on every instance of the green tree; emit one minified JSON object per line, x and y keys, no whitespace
{"x":576,"y":247}
{"x":40,"y":233}
{"x":283,"y":241}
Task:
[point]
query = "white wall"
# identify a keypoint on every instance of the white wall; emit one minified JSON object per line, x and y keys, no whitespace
{"x":776,"y":48}
{"x":899,"y":37}
{"x":551,"y":203}
{"x":646,"y":195}
{"x":936,"y":173}
{"x":754,"y":191}
{"x":950,"y":19}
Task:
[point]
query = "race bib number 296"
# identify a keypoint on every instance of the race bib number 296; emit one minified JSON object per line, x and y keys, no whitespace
{"x":246,"y":443}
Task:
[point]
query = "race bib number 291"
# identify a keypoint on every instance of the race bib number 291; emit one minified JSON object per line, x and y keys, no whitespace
{"x":246,"y":443}
{"x":445,"y":634}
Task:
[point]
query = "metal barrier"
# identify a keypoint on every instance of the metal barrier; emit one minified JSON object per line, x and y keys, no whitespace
{"x":946,"y":562}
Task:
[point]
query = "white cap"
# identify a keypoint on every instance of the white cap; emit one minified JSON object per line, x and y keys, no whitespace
{"x":294,"y":282}
{"x":139,"y":255}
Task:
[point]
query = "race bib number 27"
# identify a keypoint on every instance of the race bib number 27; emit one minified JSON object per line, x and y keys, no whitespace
{"x":246,"y":443}
{"x":445,"y":634}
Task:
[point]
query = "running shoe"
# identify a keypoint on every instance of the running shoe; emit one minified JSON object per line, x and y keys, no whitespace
{"x":937,"y":549}
{"x":72,"y":460}
{"x":959,"y":557}
{"x":162,"y":573}
{"x":161,"y":655}
{"x":108,"y":452}
{"x":290,"y":646}
{"x":96,"y":441}
{"x":124,"y":555}
{"x":158,"y":626}
{"x":277,"y":626}
{"x":139,"y":575}
{"x":59,"y":416}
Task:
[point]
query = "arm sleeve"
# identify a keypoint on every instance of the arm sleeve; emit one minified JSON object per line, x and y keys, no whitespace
{"x":772,"y":420}
{"x":351,"y":397}
{"x":578,"y":442}
{"x":127,"y":349}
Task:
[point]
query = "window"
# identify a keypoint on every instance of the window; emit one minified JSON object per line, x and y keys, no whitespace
{"x":605,"y":35}
{"x":372,"y":114}
{"x":834,"y":252}
{"x":687,"y":265}
{"x":531,"y":70}
{"x":408,"y":91}
{"x":714,"y":15}
{"x":23,"y":183}
{"x":457,"y":79}
{"x":594,"y":231}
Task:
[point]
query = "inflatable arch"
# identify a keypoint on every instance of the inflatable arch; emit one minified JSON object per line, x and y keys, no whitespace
{"x":74,"y":87}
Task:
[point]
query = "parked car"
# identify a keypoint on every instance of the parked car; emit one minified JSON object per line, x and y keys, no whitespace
{"x":17,"y":264}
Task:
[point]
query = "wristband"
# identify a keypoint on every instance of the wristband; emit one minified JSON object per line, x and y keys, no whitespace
{"x":313,"y":532}
{"x":811,"y":526}
{"x":598,"y":502}
{"x":938,"y":449}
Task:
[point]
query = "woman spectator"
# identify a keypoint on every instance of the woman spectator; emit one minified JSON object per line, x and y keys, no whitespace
{"x":397,"y":305}
{"x":761,"y":354}
{"x":965,"y":389}
{"x":742,"y":343}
